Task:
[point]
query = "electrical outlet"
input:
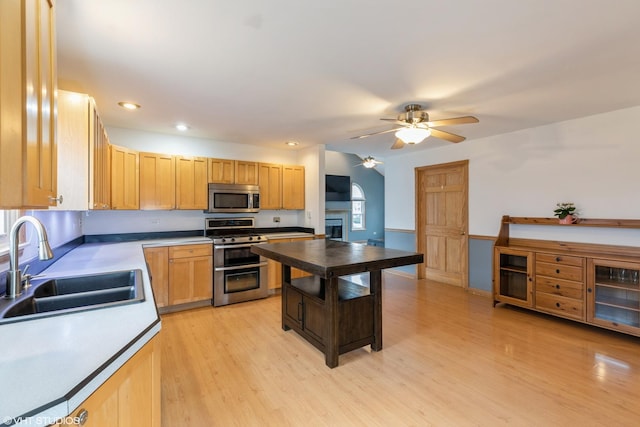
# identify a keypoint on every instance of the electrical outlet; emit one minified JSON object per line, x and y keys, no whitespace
{"x":276,"y":219}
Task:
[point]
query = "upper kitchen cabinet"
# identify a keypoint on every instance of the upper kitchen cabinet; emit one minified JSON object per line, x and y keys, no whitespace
{"x":246,"y":172}
{"x":125,"y":172}
{"x":270,"y":181}
{"x":191,"y":182}
{"x":27,"y":104}
{"x":99,"y":162}
{"x":73,"y":151}
{"x":221,"y":171}
{"x":292,"y":187}
{"x":157,"y":181}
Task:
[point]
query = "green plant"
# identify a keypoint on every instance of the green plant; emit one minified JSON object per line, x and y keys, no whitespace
{"x":564,"y":209}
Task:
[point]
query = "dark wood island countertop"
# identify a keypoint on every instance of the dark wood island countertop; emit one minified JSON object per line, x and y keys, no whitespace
{"x":334,"y":314}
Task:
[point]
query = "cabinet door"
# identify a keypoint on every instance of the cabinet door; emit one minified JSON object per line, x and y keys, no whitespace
{"x":73,"y":150}
{"x":221,"y":171}
{"x":191,"y":182}
{"x":99,"y":162}
{"x":246,"y":172}
{"x":125,"y":172}
{"x":158,"y":262}
{"x":190,"y":279}
{"x":293,"y":187}
{"x":274,"y":274}
{"x":293,"y":310}
{"x":157,"y":181}
{"x":512,"y":277}
{"x":613,"y":295}
{"x":27,"y":104}
{"x":270,"y":182}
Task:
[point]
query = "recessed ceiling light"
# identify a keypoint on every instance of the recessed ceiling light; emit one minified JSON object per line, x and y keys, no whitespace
{"x":129,"y":105}
{"x":182,"y":127}
{"x":291,"y":143}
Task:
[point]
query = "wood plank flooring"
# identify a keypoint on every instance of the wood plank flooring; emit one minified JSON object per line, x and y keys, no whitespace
{"x":449,"y":359}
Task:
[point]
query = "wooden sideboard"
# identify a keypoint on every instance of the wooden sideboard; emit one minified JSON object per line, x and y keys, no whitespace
{"x":597,"y":284}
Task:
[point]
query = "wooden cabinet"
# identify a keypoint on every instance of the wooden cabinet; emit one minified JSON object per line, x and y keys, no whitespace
{"x":191,"y":182}
{"x":246,"y":172}
{"x":157,"y":259}
{"x":597,"y":284}
{"x":99,"y":162}
{"x":28,"y":83}
{"x":157,"y":181}
{"x":559,"y":284}
{"x":73,"y":150}
{"x":513,"y":277}
{"x":304,"y":311}
{"x":221,"y":171}
{"x":293,"y":187}
{"x":613,"y":295}
{"x":130,"y":397}
{"x":281,"y":186}
{"x":190,"y":273}
{"x":125,"y":172}
{"x":274,"y":268}
{"x":270,"y":182}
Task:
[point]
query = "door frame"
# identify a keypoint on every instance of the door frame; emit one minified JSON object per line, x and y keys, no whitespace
{"x":420,"y":240}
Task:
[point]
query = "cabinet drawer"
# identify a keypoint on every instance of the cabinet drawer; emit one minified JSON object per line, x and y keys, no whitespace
{"x":560,"y":259}
{"x":187,"y":251}
{"x":561,"y":306}
{"x":565,"y":288}
{"x":567,"y":272}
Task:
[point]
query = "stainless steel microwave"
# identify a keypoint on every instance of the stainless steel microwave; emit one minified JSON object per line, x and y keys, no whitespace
{"x":233,"y":198}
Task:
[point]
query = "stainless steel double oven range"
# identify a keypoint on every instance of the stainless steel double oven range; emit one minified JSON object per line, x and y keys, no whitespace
{"x":238,"y":274}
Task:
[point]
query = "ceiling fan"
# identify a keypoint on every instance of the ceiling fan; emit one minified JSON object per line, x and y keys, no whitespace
{"x":415,"y":127}
{"x":369,"y":162}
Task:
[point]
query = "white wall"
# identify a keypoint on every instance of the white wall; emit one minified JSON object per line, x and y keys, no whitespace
{"x":592,"y":161}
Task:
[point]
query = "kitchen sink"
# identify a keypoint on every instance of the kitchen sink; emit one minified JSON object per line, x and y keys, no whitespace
{"x":58,"y":296}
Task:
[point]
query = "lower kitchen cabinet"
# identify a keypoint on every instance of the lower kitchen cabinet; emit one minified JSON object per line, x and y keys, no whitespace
{"x":130,"y":397}
{"x":190,"y":273}
{"x":274,"y":268}
{"x":180,"y":274}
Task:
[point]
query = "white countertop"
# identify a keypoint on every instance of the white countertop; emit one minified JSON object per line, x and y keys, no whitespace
{"x":48,"y":366}
{"x":288,"y":235}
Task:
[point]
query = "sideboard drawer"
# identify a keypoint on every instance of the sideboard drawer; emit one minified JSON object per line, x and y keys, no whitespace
{"x":561,"y":306}
{"x":564,"y":288}
{"x":560,"y":259}
{"x":567,"y":272}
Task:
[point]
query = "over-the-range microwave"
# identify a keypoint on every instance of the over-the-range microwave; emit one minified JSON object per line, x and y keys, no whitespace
{"x":233,"y":198}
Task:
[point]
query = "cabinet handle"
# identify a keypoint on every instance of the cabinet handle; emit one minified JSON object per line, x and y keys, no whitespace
{"x":58,"y":199}
{"x":82,"y":416}
{"x":558,"y":304}
{"x":557,"y":271}
{"x":558,"y":259}
{"x":589,"y":290}
{"x":557,"y":286}
{"x":299,"y":312}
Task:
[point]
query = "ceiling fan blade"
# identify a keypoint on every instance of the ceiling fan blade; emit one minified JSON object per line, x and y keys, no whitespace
{"x":398,"y":144}
{"x":454,"y":121}
{"x":447,"y":136}
{"x":398,"y":122}
{"x":375,"y":133}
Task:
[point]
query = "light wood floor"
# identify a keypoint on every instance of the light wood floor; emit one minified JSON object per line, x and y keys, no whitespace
{"x":449,"y":359}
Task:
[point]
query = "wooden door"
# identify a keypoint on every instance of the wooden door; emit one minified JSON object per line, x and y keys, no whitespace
{"x":157,"y":181}
{"x":270,"y":180}
{"x":442,"y":222}
{"x":293,"y":187}
{"x":125,"y":172}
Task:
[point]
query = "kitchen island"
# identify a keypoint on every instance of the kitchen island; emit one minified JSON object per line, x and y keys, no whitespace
{"x":331,"y":312}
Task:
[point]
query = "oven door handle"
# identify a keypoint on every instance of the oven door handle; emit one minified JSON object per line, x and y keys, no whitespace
{"x":244,"y":245}
{"x":240,"y":267}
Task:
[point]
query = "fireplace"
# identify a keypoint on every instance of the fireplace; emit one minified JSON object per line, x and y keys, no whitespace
{"x":336,"y":225}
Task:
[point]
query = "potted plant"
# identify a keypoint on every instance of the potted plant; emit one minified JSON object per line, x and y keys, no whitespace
{"x":566,"y":213}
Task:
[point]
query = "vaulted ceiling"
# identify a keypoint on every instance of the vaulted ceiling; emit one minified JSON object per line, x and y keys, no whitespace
{"x":265,"y":72}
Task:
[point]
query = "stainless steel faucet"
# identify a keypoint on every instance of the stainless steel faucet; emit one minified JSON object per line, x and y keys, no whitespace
{"x":14,"y":275}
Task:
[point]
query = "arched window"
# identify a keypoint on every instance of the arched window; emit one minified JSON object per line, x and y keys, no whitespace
{"x":357,"y":207}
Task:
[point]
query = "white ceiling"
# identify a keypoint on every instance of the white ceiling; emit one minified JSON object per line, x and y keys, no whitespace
{"x":265,"y":72}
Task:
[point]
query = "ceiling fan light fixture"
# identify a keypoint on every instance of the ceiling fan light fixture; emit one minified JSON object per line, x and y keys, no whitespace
{"x":412,"y":135}
{"x":369,"y":162}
